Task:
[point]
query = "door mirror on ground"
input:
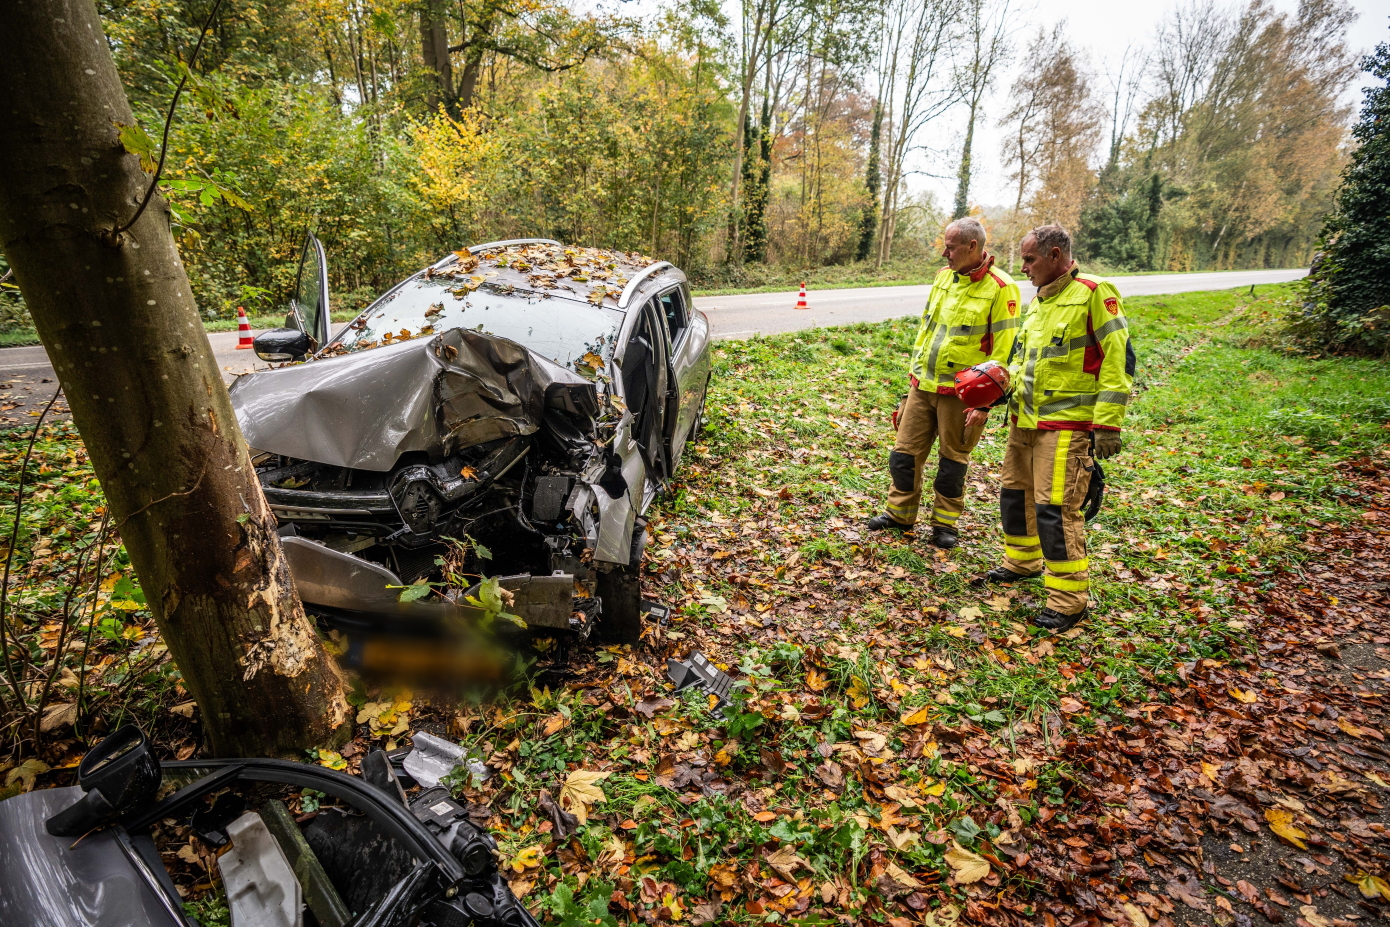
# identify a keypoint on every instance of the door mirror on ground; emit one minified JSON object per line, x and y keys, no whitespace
{"x":309,"y":304}
{"x":281,"y":344}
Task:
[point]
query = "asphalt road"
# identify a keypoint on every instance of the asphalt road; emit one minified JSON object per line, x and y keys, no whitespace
{"x":26,"y":379}
{"x":772,"y":313}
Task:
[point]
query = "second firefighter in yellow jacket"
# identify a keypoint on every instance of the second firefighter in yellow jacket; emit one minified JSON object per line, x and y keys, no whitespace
{"x":972,"y":316}
{"x":1072,"y":372}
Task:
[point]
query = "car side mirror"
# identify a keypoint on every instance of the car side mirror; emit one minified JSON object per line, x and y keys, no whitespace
{"x":118,"y":775}
{"x":281,"y":344}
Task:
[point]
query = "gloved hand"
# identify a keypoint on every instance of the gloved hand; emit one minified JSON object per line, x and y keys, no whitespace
{"x":1106,"y":444}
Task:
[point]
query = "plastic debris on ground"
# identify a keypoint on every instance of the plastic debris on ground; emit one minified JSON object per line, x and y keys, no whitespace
{"x":262,"y":890}
{"x":434,"y":758}
{"x":697,"y":670}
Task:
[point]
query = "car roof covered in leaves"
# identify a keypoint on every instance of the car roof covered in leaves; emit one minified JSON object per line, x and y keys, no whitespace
{"x":594,"y":275}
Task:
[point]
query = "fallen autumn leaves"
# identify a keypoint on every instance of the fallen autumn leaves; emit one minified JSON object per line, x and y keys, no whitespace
{"x":904,"y":750}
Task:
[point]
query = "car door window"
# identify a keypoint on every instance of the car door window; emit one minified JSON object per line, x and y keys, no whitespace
{"x":673,"y":308}
{"x":309,"y":304}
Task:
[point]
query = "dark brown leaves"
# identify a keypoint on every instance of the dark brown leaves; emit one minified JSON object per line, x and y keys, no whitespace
{"x":1187,"y":888}
{"x":652,"y":704}
{"x":564,"y":822}
{"x":831,"y":774}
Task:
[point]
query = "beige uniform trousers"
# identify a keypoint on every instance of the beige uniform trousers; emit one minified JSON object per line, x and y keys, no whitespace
{"x":927,"y":419}
{"x":1046,"y":475}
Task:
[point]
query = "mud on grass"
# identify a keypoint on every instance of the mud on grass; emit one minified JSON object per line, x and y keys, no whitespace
{"x":906,"y":750}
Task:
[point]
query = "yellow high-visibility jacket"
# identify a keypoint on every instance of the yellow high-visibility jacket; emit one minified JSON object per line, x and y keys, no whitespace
{"x":1073,"y":367}
{"x":969,"y":319}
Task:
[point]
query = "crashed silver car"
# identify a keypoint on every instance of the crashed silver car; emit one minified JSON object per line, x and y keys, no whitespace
{"x":521,"y":401}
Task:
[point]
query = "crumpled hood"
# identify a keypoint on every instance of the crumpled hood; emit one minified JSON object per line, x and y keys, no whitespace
{"x":364,"y":410}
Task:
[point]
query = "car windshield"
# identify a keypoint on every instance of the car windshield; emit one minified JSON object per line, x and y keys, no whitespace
{"x":563,"y":330}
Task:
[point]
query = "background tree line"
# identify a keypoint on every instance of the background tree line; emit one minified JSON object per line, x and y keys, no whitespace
{"x":785,"y":135}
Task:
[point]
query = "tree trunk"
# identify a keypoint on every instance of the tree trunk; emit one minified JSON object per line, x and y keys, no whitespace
{"x":963,"y":175}
{"x":474,"y":51}
{"x":434,"y":54}
{"x":750,"y":71}
{"x":468,"y":84}
{"x":118,"y":321}
{"x":868,"y":224}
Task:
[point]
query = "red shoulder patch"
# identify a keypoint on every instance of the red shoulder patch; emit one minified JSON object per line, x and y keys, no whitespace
{"x":1090,"y":284}
{"x":997,"y":279}
{"x":1112,"y":305}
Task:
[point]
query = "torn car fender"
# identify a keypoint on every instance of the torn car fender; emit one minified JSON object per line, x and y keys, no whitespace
{"x":618,"y":514}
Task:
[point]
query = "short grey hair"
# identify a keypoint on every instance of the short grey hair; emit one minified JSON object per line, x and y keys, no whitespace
{"x":970,"y":228}
{"x":1052,"y":236}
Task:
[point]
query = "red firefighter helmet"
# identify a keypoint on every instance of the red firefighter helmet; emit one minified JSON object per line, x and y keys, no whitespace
{"x":983,"y":385}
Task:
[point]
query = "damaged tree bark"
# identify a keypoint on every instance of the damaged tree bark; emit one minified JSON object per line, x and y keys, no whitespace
{"x":119,"y":324}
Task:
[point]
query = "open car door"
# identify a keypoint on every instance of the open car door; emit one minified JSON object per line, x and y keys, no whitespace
{"x":309,"y":302}
{"x":646,"y":383}
{"x":688,"y":338}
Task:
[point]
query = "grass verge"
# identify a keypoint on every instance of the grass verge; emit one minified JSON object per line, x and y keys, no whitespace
{"x":837,"y":784}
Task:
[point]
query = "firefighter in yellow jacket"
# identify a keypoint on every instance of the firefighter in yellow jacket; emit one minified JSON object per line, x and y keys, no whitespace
{"x":1072,"y":371}
{"x":972,"y":316}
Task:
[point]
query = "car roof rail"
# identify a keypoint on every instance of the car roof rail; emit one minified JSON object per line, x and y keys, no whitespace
{"x":474,"y":249}
{"x":635,"y":282}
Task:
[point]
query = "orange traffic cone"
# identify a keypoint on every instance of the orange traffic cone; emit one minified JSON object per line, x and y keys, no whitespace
{"x":243,"y":327}
{"x":801,"y":300}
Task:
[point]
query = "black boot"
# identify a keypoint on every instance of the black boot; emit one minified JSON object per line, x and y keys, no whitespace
{"x":886,"y":523}
{"x":1001,"y":576}
{"x":944,"y":536}
{"x":1057,"y":622}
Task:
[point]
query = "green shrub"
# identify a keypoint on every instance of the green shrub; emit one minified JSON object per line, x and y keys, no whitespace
{"x":1347,"y":297}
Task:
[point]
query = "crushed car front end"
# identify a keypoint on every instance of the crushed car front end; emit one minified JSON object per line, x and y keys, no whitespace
{"x":464,"y":425}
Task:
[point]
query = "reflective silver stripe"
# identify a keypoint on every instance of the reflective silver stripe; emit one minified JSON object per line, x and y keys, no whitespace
{"x":960,"y":330}
{"x":1082,"y":400}
{"x":938,"y":338}
{"x":1068,"y":402}
{"x":1109,"y":328}
{"x":1080,"y":342}
{"x":1002,"y":325}
{"x":1027,"y":390}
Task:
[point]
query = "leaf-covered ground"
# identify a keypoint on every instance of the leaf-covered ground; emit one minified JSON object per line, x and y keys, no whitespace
{"x":1209,"y":748}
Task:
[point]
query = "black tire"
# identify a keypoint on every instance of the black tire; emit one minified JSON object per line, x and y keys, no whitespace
{"x":698,"y":428}
{"x":620,"y":592}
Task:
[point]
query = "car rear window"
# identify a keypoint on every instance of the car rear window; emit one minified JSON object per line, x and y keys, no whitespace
{"x":563,"y":330}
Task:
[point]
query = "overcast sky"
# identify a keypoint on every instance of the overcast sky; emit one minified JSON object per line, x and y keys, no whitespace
{"x":1103,"y":27}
